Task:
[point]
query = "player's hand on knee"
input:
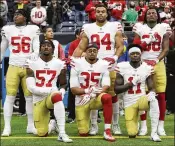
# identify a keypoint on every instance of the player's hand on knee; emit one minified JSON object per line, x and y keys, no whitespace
{"x":85,"y":99}
{"x":151,"y":96}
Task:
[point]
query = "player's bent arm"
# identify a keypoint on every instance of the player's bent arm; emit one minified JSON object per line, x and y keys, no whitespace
{"x":150,"y":83}
{"x":119,"y":44}
{"x":165,"y":47}
{"x":82,"y":46}
{"x":119,"y":86}
{"x":31,"y":84}
{"x":4,"y":46}
{"x":74,"y":83}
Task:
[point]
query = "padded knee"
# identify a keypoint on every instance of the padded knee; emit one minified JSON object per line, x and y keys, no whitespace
{"x":132,"y":131}
{"x":56,"y":98}
{"x":42,"y":132}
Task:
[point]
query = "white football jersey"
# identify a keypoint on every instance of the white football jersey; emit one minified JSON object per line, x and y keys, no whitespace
{"x":155,"y":48}
{"x":128,"y":72}
{"x":84,"y":75}
{"x":38,"y":15}
{"x":46,"y":74}
{"x":103,"y":36}
{"x":22,"y":41}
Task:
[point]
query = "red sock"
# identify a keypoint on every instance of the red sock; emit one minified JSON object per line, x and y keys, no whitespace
{"x":114,"y":99}
{"x":143,"y":116}
{"x":106,"y":100}
{"x":162,"y":105}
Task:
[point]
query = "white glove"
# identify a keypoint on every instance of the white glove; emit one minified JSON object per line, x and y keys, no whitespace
{"x":151,"y":96}
{"x":93,"y":90}
{"x":136,"y":80}
{"x":85,"y":99}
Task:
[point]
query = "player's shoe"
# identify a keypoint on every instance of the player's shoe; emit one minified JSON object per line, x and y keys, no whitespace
{"x":93,"y":129}
{"x":143,"y":131}
{"x":161,"y":132}
{"x":31,"y":129}
{"x":6,"y":132}
{"x":155,"y":137}
{"x":116,"y":129}
{"x":64,"y":138}
{"x":108,"y":136}
{"x":160,"y":129}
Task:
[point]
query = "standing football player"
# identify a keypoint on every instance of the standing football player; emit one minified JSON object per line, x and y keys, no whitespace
{"x":108,"y":36}
{"x":42,"y":76}
{"x":132,"y":78}
{"x":22,"y":40}
{"x":89,"y":81}
{"x":153,"y":36}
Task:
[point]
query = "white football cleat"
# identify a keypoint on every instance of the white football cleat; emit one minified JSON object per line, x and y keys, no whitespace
{"x":108,"y":136}
{"x":64,"y":138}
{"x":31,"y":130}
{"x":160,"y":129}
{"x":155,"y":137}
{"x":93,"y":129}
{"x":6,"y":132}
{"x":143,"y":132}
{"x":116,"y":129}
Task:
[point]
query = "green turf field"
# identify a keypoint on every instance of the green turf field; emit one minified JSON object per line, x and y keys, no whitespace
{"x":20,"y":138}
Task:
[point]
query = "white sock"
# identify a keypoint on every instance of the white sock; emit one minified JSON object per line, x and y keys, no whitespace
{"x":93,"y":116}
{"x":8,"y":110}
{"x":161,"y":124}
{"x":29,"y":110}
{"x":107,"y":126}
{"x":154,"y":115}
{"x":115,"y":116}
{"x":143,"y":124}
{"x":59,"y":113}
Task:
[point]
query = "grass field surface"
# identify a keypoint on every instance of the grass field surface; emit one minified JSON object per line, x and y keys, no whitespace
{"x":20,"y":138}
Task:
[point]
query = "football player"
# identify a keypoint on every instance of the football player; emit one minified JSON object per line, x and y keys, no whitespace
{"x":132,"y":78}
{"x":42,"y":76}
{"x":153,"y":36}
{"x":89,"y":81}
{"x":108,"y":36}
{"x":22,"y":40}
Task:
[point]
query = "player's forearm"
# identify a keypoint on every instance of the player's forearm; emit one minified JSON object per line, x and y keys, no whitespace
{"x":163,"y":54}
{"x":122,"y":88}
{"x":77,"y":91}
{"x":30,"y":81}
{"x":119,"y":50}
{"x":78,"y":52}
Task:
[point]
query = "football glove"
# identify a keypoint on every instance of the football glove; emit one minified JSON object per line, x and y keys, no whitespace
{"x":152,"y":62}
{"x":111,"y":60}
{"x":85,"y":99}
{"x":151,"y":96}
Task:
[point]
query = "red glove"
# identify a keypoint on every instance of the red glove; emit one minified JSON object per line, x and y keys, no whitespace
{"x":111,"y":60}
{"x":152,"y":62}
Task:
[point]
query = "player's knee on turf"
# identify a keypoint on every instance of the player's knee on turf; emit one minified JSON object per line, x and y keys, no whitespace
{"x":132,"y":131}
{"x":42,"y":132}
